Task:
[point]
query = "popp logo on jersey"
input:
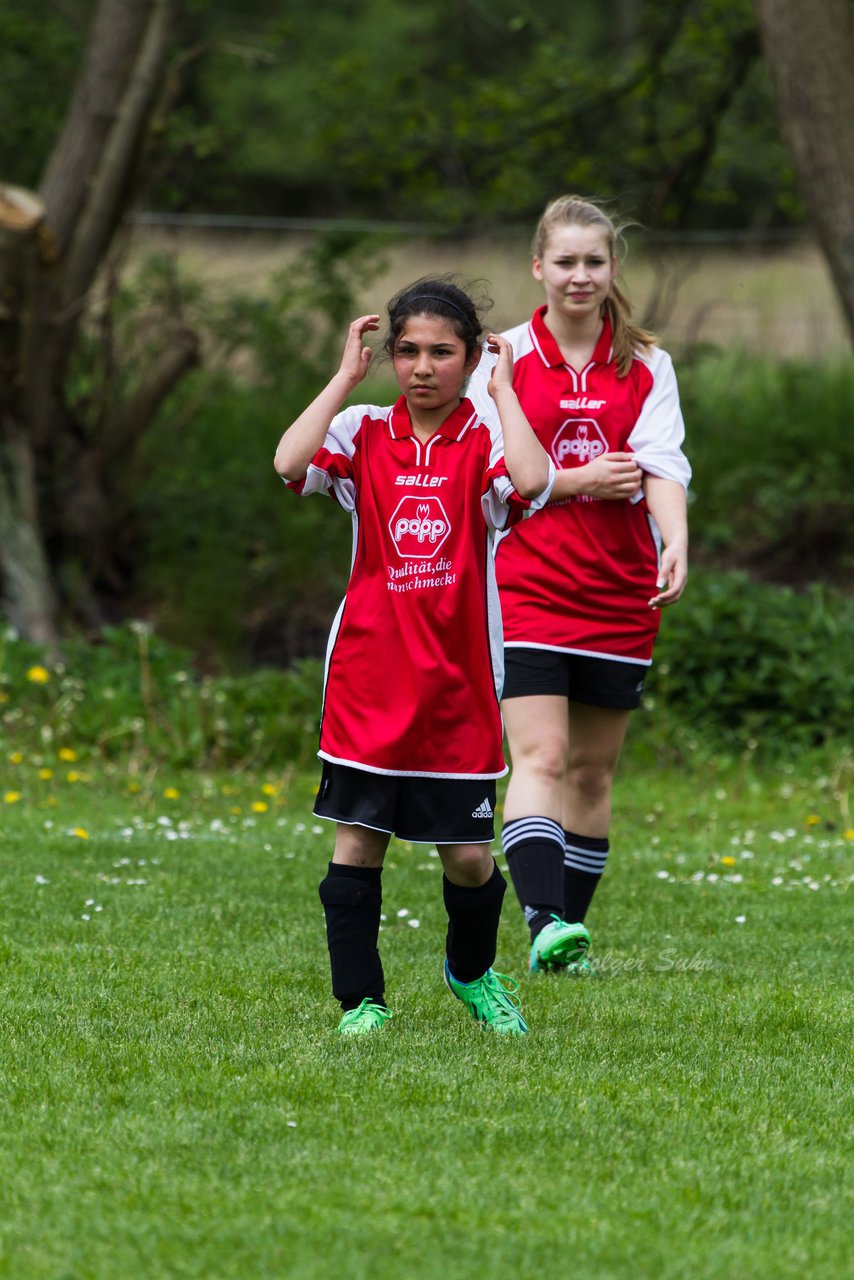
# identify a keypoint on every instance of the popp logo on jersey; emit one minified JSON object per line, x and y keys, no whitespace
{"x":419,"y":526}
{"x":579,"y":440}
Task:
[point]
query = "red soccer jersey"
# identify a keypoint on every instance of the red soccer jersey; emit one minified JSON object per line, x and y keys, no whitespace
{"x":579,"y":575}
{"x":414,"y":663}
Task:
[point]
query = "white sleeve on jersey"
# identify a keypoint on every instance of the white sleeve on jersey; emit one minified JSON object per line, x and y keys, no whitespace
{"x":319,"y":481}
{"x":495,"y":505}
{"x":323,"y":474}
{"x":656,"y":438}
{"x":475,"y":390}
{"x":497,"y":499}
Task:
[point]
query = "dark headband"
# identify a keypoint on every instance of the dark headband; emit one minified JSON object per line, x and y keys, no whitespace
{"x":434,"y":297}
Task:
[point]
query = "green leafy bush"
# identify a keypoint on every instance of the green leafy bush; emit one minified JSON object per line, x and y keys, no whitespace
{"x":752,"y":663}
{"x":773,"y":456}
{"x":134,"y":695}
{"x":738,"y":665}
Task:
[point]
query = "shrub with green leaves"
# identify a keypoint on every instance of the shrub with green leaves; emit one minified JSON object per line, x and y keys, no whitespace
{"x":773,"y":456}
{"x":738,"y":664}
{"x":135,"y":696}
{"x":745,"y":661}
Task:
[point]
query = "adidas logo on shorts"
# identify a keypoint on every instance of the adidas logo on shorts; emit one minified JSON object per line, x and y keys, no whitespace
{"x":483,"y":810}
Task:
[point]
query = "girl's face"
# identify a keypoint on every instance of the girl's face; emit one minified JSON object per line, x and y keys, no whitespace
{"x":576,"y":270}
{"x":431,"y":364}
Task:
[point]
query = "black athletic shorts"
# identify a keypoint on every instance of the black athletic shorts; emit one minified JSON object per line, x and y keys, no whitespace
{"x":423,"y":810}
{"x":597,"y":682}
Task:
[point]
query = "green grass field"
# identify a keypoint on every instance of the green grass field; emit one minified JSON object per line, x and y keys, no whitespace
{"x":175,"y":1102}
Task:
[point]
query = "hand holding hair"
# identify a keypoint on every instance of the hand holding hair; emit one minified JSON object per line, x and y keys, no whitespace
{"x":501,"y":378}
{"x":357,"y":357}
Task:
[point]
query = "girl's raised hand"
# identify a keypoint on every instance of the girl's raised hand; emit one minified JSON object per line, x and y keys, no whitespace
{"x":501,"y":377}
{"x":357,"y":357}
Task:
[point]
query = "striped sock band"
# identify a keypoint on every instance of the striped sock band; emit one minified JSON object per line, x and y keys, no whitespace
{"x":523,"y":829}
{"x":534,"y":850}
{"x":584,"y":861}
{"x":585,"y":853}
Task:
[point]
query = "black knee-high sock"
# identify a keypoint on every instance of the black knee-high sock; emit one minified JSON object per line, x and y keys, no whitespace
{"x":473,"y":916}
{"x":352,"y":898}
{"x":533,"y":848}
{"x":583,"y":863}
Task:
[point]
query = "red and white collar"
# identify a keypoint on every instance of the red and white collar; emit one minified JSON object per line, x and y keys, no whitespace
{"x":454,"y":427}
{"x":545,"y":343}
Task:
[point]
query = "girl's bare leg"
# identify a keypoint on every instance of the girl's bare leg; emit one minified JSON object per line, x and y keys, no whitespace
{"x":538,"y":737}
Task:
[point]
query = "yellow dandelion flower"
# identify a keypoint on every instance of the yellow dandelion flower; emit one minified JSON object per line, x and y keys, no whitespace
{"x":171,"y":793}
{"x":68,"y":754}
{"x":728,"y":861}
{"x":38,"y":675}
{"x":849,"y":833}
{"x":81,"y":833}
{"x":235,"y":808}
{"x":45,"y":774}
{"x":813,"y":819}
{"x":259,"y":806}
{"x":270,"y":789}
{"x":11,"y":797}
{"x":134,"y":787}
{"x":15,"y":758}
{"x":73,"y":776}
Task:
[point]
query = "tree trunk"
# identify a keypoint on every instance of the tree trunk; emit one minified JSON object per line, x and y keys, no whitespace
{"x":810,"y":52}
{"x":60,"y":512}
{"x":88,"y":180}
{"x":30,"y":600}
{"x":21,"y":215}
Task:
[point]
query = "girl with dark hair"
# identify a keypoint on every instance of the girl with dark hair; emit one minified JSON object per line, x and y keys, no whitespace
{"x":410,"y":733}
{"x":583,"y":584}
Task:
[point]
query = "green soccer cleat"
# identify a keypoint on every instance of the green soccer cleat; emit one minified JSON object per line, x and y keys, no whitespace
{"x":557,"y":945}
{"x":369,"y":1016}
{"x":490,"y":1002}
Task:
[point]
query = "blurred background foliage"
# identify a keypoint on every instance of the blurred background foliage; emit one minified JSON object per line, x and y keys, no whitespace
{"x":454,"y":112}
{"x":466,"y":116}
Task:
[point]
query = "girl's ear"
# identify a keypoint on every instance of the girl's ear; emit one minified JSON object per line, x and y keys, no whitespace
{"x":537,"y":269}
{"x":473,"y":361}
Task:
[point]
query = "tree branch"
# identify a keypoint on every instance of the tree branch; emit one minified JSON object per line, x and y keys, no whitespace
{"x":104,"y":203}
{"x":678,"y":186}
{"x":128,"y":424}
{"x":111,"y":52}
